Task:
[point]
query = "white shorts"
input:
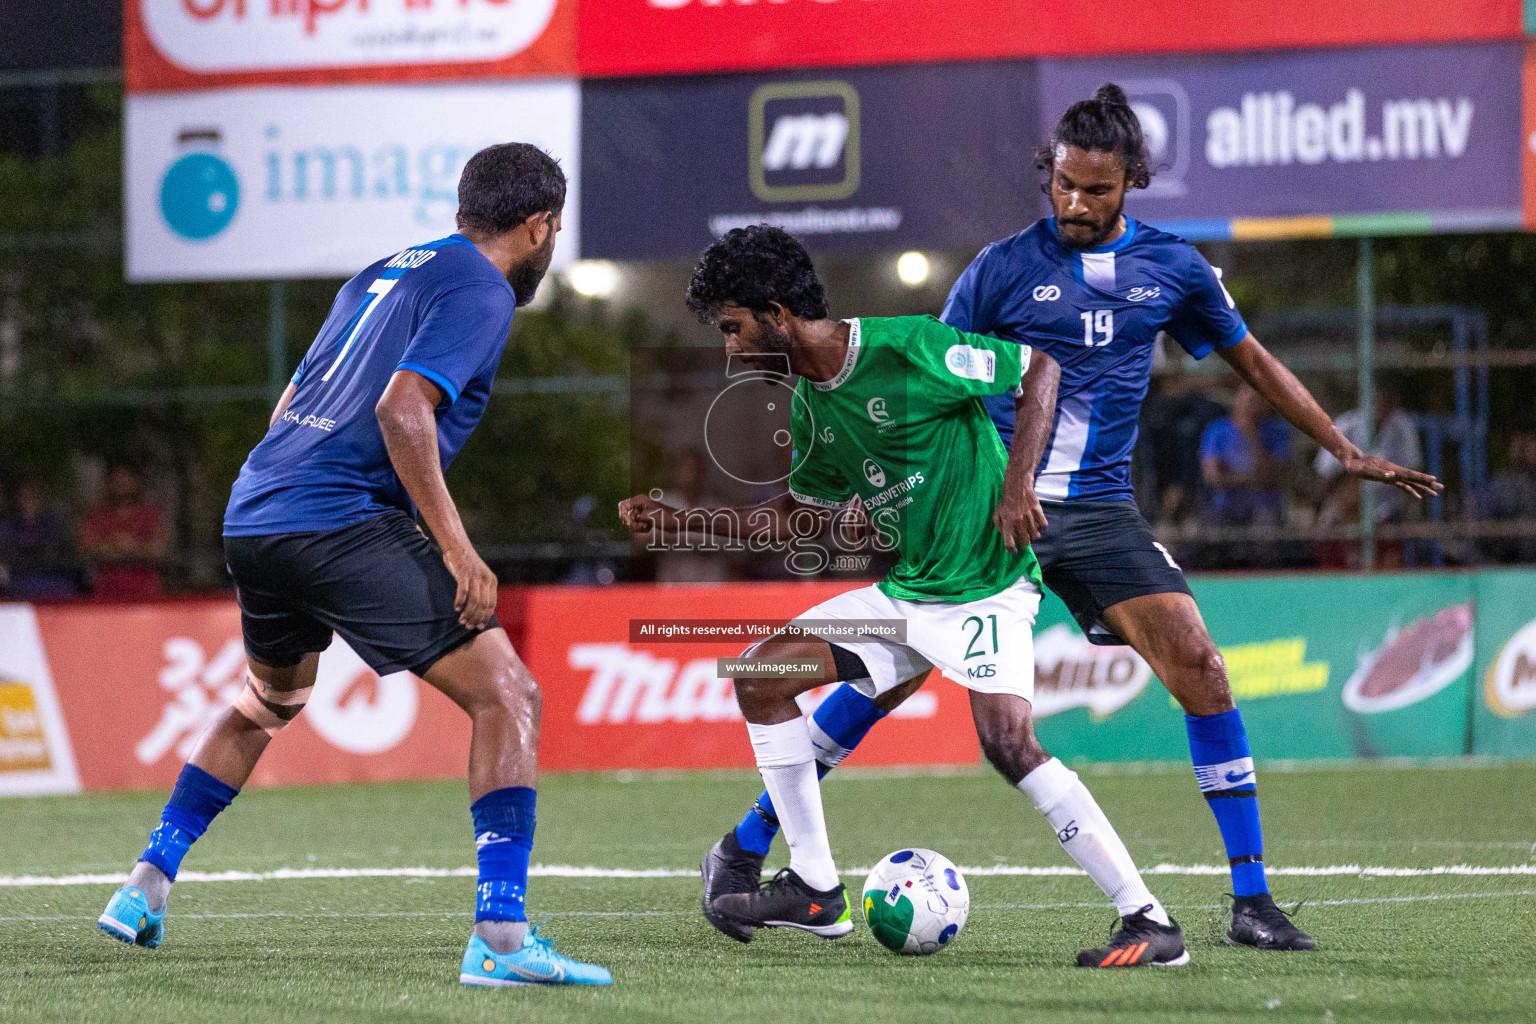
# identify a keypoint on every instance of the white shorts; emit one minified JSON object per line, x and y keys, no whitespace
{"x":987,"y":645}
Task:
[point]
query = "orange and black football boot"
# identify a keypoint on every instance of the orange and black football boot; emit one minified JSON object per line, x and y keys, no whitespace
{"x":1140,"y":942}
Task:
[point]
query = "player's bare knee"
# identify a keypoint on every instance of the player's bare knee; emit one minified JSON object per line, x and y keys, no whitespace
{"x":517,"y":692}
{"x":1200,"y":681}
{"x":762,"y":691}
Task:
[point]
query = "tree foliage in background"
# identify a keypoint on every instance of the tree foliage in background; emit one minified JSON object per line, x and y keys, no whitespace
{"x":74,"y":337}
{"x":73,"y":334}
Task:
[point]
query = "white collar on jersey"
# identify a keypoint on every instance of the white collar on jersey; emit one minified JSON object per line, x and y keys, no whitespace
{"x":848,"y":360}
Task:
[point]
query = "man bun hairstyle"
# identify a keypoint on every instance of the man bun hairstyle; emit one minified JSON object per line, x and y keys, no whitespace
{"x":504,"y":185}
{"x":753,"y":267}
{"x":1104,"y":124}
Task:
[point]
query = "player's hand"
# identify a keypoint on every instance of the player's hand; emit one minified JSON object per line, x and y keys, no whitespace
{"x":475,"y":599}
{"x":1371,"y":467}
{"x":643,"y":515}
{"x":1019,"y":517}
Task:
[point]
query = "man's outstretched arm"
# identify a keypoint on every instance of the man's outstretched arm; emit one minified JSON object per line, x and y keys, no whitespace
{"x":1019,"y":517}
{"x":407,"y":416}
{"x":647,"y":518}
{"x":1279,"y":386}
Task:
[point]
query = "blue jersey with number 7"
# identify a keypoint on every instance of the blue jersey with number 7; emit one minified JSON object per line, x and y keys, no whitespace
{"x":441,"y":310}
{"x":1098,"y":313}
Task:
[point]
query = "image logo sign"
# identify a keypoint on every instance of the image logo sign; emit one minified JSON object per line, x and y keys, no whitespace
{"x":275,"y":182}
{"x":200,"y":192}
{"x":804,"y":139}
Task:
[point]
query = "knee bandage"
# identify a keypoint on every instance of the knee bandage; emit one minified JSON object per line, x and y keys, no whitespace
{"x":269,"y":708}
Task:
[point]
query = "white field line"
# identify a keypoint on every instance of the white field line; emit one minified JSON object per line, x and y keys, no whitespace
{"x":369,"y":915}
{"x":572,"y":871}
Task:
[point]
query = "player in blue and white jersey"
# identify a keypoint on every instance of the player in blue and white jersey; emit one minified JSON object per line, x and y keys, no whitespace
{"x":321,"y":537}
{"x":1094,"y":288}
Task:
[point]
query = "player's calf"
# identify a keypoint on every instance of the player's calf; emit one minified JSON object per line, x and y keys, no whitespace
{"x":1005,"y":727}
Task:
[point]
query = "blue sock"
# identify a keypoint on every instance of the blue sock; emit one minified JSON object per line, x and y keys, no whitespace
{"x":503,"y":843}
{"x":196,"y":800}
{"x":1218,"y":745}
{"x":839,"y":724}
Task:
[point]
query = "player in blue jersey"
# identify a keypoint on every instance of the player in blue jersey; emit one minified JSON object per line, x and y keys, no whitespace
{"x":321,"y":537}
{"x":1094,"y":288}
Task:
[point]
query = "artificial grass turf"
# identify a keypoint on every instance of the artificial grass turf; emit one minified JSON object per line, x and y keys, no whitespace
{"x":1443,"y":947}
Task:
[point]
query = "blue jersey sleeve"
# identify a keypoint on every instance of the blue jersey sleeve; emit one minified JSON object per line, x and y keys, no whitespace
{"x":971,"y":307}
{"x":1206,"y":318}
{"x":462,"y":331}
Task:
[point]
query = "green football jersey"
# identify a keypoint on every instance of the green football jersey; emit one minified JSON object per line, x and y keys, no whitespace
{"x":902,"y":427}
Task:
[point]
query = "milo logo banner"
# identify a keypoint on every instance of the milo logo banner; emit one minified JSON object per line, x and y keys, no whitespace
{"x":1394,"y":665}
{"x":1504,"y":711}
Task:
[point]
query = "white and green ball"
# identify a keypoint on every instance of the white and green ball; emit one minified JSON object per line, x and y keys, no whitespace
{"x":916,"y":902}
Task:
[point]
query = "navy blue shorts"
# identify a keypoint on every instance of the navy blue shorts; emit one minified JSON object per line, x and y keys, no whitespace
{"x":1095,"y":554}
{"x":380,"y":583}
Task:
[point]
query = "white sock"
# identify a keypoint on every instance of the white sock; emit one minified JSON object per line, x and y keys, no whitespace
{"x":787,"y":760}
{"x":1087,"y":835}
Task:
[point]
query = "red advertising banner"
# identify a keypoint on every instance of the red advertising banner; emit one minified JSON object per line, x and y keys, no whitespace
{"x":115,"y":696}
{"x":612,"y":703}
{"x":200,"y":44}
{"x":1528,"y":137}
{"x":137,"y":684}
{"x":653,"y":37}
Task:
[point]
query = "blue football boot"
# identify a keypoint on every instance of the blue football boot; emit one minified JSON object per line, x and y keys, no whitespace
{"x":536,"y":963}
{"x":129,"y":919}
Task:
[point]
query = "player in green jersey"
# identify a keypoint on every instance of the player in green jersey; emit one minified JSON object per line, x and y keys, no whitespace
{"x":888,"y":411}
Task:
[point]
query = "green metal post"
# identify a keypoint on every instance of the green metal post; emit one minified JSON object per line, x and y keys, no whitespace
{"x":277,"y":339}
{"x":1365,"y":364}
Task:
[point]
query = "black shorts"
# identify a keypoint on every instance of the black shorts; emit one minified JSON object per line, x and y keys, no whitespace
{"x":380,"y":583}
{"x":1098,"y":553}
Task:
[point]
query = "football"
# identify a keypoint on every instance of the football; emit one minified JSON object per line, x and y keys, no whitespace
{"x":916,"y":902}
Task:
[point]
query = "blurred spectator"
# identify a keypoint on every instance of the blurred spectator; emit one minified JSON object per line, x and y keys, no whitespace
{"x":690,"y":489}
{"x":34,"y":547}
{"x":1395,"y":439}
{"x":587,"y":571}
{"x":1242,"y":462}
{"x":124,"y":538}
{"x":1512,"y":496}
{"x":1174,"y":419}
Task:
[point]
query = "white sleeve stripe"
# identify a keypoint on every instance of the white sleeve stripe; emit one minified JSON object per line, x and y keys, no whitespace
{"x":807,"y":499}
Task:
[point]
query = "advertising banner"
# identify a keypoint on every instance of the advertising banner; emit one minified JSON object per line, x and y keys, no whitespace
{"x":138,"y":684}
{"x":614,"y":701}
{"x":1504,"y":710}
{"x":200,"y":44}
{"x":1390,"y":679}
{"x":1373,"y":134}
{"x":648,"y":37}
{"x":867,"y":158}
{"x":1268,"y":145}
{"x":285,"y":182}
{"x":35,"y":752}
{"x":115,"y":697}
